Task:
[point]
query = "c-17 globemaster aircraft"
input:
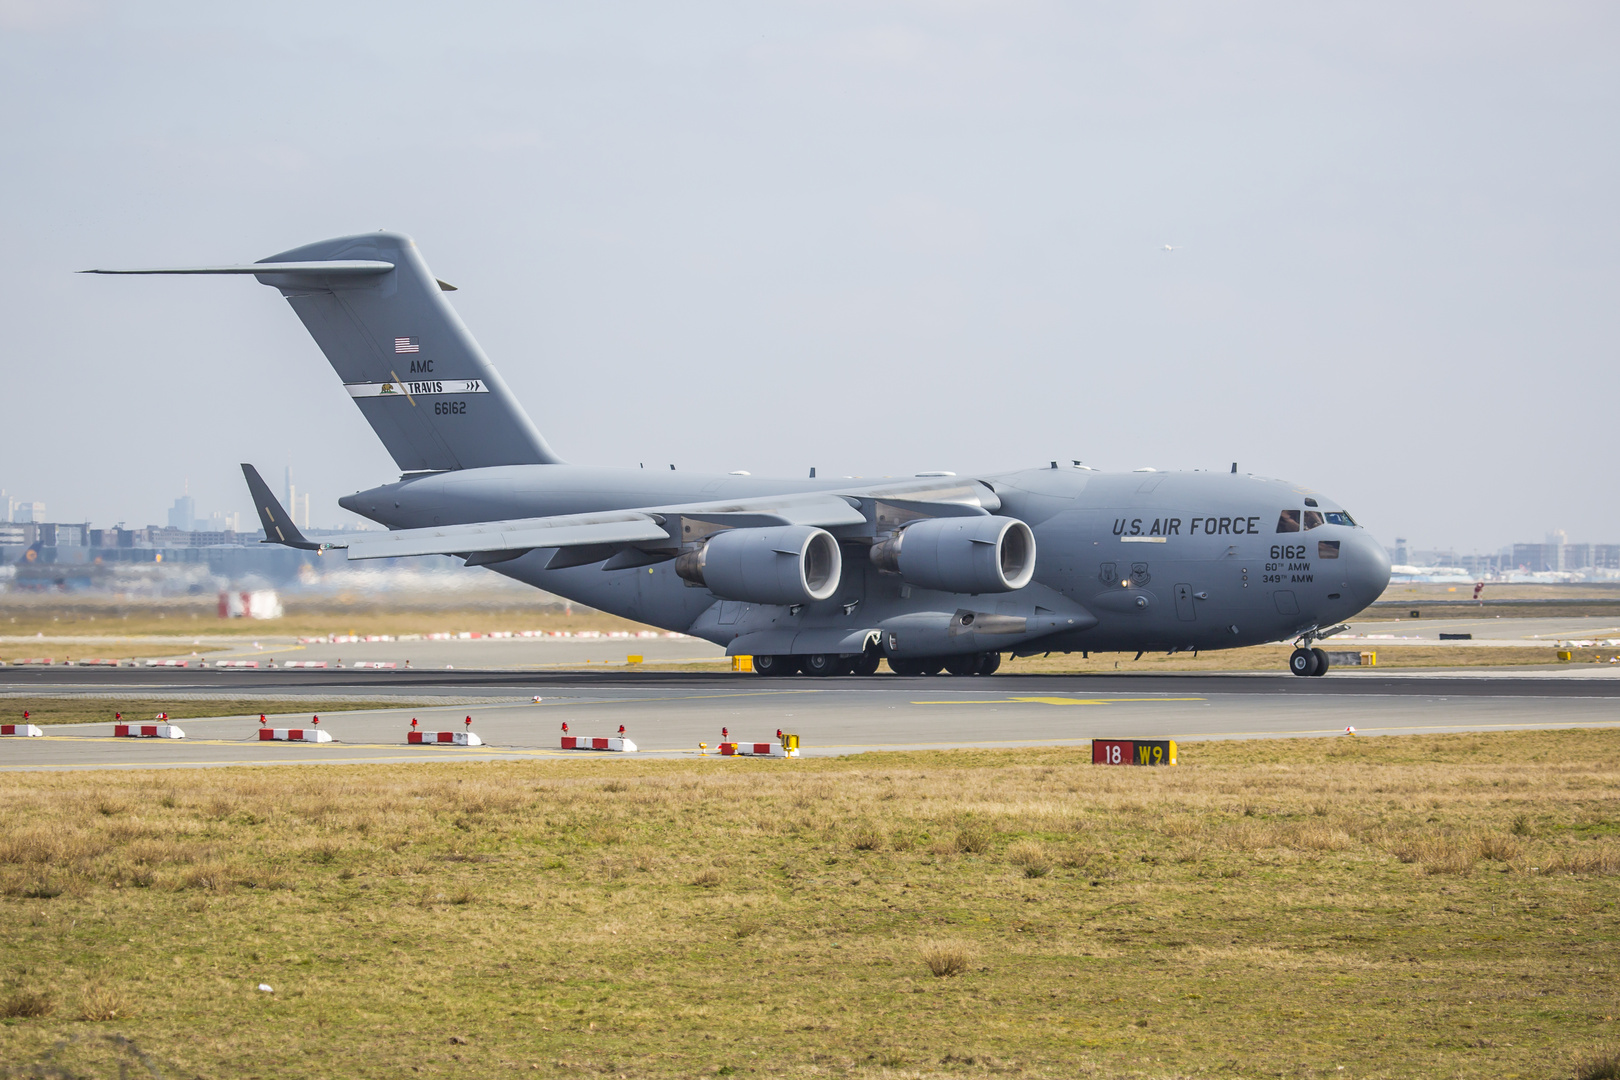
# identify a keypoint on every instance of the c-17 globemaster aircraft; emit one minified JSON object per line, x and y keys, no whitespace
{"x":930,"y":572}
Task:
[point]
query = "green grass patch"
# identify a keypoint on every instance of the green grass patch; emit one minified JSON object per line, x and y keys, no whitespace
{"x":1401,"y":907}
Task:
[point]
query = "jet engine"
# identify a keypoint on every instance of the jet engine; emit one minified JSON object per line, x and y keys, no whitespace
{"x":961,"y":554}
{"x":784,"y":564}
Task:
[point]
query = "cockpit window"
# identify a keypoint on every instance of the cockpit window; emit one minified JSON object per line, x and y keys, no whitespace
{"x":1289,"y":521}
{"x":1327,"y":549}
{"x":1310,"y":502}
{"x":1339,"y":517}
{"x":1313,"y":518}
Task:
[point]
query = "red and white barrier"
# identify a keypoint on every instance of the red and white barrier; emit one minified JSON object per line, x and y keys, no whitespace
{"x":147,"y":731}
{"x":29,"y":730}
{"x":374,"y":664}
{"x":303,"y":663}
{"x":236,"y":663}
{"x":97,"y":663}
{"x":35,"y":660}
{"x":283,"y":734}
{"x":443,"y":738}
{"x":168,"y":663}
{"x":582,"y":742}
{"x":756,"y":749}
{"x":260,"y":604}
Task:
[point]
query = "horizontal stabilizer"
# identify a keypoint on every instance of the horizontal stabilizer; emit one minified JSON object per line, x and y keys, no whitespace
{"x":330,"y":268}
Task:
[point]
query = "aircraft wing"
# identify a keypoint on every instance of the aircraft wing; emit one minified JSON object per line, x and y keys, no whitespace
{"x":660,"y":526}
{"x":640,"y":525}
{"x":565,"y":530}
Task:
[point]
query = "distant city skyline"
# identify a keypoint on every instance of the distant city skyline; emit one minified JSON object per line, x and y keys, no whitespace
{"x":182,"y":515}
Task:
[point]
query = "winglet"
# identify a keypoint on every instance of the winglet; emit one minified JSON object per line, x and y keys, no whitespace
{"x":278,"y":524}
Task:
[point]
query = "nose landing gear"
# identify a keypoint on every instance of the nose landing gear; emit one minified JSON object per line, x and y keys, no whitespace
{"x":1308,"y":662}
{"x":1305,"y":660}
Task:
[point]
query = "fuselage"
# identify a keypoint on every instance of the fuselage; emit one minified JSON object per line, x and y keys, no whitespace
{"x":1124,"y":561}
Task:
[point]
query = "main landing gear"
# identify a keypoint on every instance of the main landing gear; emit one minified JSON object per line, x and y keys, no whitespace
{"x":1308,"y":662}
{"x":819,"y":664}
{"x":868,"y":662}
{"x":961,"y":664}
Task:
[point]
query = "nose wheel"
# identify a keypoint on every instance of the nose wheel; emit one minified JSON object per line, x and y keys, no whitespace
{"x":1308,"y":662}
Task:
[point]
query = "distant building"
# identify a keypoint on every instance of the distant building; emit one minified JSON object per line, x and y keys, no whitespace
{"x":1535,"y":557}
{"x":183,"y":514}
{"x":62,"y":535}
{"x":23,"y":513}
{"x":1606,"y":556}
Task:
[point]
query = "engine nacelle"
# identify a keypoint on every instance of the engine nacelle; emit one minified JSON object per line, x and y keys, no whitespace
{"x":961,"y":554}
{"x":783,"y":564}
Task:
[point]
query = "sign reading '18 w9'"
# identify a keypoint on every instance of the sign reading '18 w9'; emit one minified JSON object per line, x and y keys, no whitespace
{"x":1133,"y":752}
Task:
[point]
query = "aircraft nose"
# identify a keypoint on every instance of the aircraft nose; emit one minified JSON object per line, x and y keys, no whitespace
{"x":1366,"y":569}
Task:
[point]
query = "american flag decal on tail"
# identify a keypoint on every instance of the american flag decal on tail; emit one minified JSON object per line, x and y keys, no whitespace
{"x":407,"y":344}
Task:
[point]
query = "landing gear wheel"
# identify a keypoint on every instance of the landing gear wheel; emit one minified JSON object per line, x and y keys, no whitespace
{"x":992,"y":661}
{"x":867,"y":663}
{"x":1302,"y":662}
{"x":774,"y":665}
{"x":964,"y":664}
{"x":820,"y":663}
{"x":1321,"y":662}
{"x":916,"y":665}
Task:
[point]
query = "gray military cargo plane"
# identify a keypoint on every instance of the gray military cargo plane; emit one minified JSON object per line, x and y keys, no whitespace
{"x":824,"y":576}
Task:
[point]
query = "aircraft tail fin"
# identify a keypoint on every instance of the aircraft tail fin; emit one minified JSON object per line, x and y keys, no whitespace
{"x":403,"y":353}
{"x":278,"y":524}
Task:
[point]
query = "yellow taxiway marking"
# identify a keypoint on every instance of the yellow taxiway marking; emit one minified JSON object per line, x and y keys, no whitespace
{"x":1061,"y":701}
{"x":569,"y":703}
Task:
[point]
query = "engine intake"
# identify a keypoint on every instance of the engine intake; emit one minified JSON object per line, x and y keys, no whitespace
{"x":784,"y":564}
{"x":961,"y":554}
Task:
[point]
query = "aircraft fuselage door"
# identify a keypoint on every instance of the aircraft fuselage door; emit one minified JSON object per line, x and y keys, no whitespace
{"x":1184,"y":603}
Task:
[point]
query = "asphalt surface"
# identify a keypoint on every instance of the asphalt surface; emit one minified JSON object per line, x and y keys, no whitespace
{"x":672,"y":712}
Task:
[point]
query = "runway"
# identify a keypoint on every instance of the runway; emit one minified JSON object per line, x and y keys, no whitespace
{"x":670,"y":713}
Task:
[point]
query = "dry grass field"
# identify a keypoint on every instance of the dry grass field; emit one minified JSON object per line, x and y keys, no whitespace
{"x":1392,"y":907}
{"x":63,"y":652}
{"x":57,"y":615}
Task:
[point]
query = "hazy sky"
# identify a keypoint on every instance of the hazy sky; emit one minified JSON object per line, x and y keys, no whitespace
{"x":874,"y":238}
